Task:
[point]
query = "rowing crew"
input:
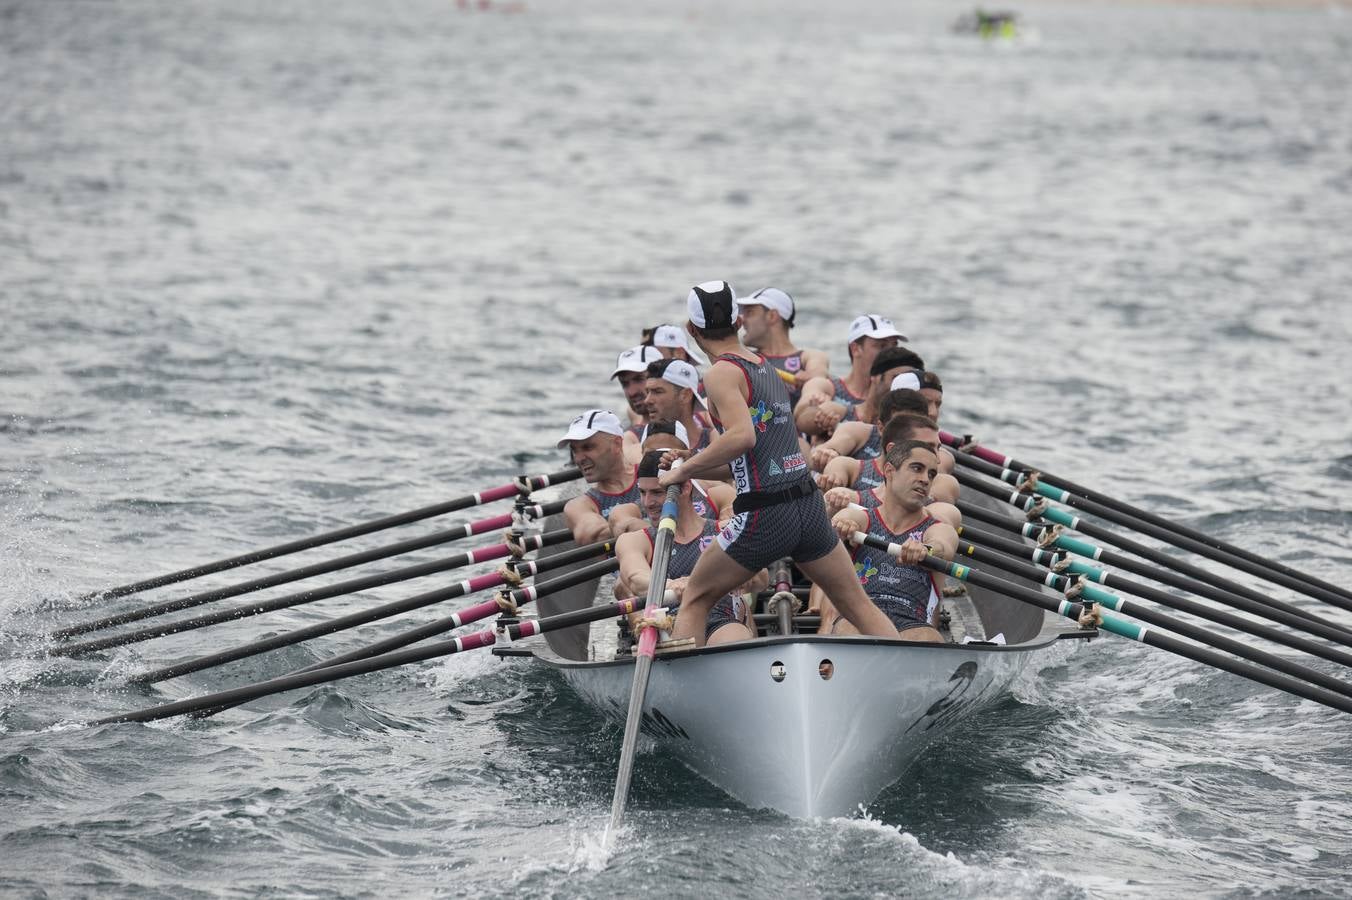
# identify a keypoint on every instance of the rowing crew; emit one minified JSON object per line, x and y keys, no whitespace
{"x":877,"y":444}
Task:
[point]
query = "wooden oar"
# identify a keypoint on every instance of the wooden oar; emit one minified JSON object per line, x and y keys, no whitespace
{"x":1030,"y":482}
{"x":1074,"y":588}
{"x":510,"y":600}
{"x":1267,"y":567}
{"x":1106,"y":621}
{"x":351,"y":586}
{"x":1061,"y":517}
{"x":522,"y":485}
{"x":643,"y":660}
{"x":343,"y":562}
{"x":384,"y":611}
{"x":475,"y":640}
{"x":1112,"y":579}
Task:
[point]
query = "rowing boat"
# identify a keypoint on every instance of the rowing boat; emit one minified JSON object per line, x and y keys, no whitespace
{"x":803,"y":724}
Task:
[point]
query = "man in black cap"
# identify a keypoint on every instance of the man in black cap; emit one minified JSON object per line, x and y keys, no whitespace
{"x":779,"y":511}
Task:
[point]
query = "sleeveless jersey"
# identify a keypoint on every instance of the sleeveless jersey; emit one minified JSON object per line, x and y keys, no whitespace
{"x":684,"y":556}
{"x":873,"y":447}
{"x":606,"y":502}
{"x":792,"y":364}
{"x":870,"y":476}
{"x":870,"y":498}
{"x":843,"y":394}
{"x":702,"y":502}
{"x":776,"y":462}
{"x":883,"y":576}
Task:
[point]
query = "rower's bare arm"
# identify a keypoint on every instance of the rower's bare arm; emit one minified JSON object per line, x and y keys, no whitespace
{"x":839,"y":498}
{"x":588,"y":525}
{"x":946,"y":460}
{"x":943,"y":540}
{"x":848,"y":438}
{"x":631,"y":551}
{"x":725,"y":385}
{"x":842,"y":471}
{"x":625,"y":518}
{"x":815,"y":365}
{"x":848,"y":521}
{"x":817,"y":389}
{"x":945,"y":512}
{"x":945,"y":487}
{"x":723,"y":495}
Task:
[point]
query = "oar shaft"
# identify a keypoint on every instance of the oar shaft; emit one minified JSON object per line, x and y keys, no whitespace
{"x":1106,"y":578}
{"x":343,"y":562}
{"x":1145,"y":635}
{"x":1155,"y":617}
{"x":1265,"y":569}
{"x":292,"y":682}
{"x":647,"y":644}
{"x":457,"y":619}
{"x":1061,"y":517}
{"x":1003,"y":461}
{"x":480,"y":555}
{"x":520,"y":486}
{"x":531,"y":627}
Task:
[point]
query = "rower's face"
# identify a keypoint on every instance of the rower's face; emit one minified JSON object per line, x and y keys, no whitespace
{"x":869,"y":348}
{"x":651,"y":494}
{"x":634,"y":385}
{"x":935,"y":399}
{"x":755,"y":323}
{"x":595,"y":456}
{"x":662,"y":400}
{"x":909,"y":483}
{"x":674,"y":353}
{"x":884,"y":382}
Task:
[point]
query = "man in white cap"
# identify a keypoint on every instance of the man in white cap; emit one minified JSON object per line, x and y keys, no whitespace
{"x":631,"y":368}
{"x":595,"y":446}
{"x":672,"y":392}
{"x":673,"y":343}
{"x":869,"y":335}
{"x":779,"y":511}
{"x":767,"y":316}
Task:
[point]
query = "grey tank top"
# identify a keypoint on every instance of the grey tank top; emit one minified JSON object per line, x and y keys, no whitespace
{"x":870,"y":476}
{"x":873,"y":447}
{"x":843,"y":393}
{"x":684,"y":556}
{"x":883,"y":575}
{"x":606,"y":502}
{"x":776,"y":461}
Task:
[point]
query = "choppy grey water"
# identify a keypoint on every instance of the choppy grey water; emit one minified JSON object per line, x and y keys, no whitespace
{"x":271,"y":268}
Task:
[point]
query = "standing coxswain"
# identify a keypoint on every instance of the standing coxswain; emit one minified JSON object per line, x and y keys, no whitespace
{"x":779,"y":511}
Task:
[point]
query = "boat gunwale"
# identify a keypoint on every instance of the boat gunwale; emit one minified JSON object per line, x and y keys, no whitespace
{"x":1045,"y":639}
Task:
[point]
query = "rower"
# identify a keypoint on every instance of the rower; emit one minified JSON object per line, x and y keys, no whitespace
{"x":673,"y":343}
{"x":863,"y":441}
{"x":849,"y":480}
{"x":595,"y":445}
{"x":823,"y":417}
{"x":631,"y":368}
{"x":711,"y":499}
{"x":671,"y":392}
{"x":728,"y":619}
{"x":783,"y":514}
{"x":868,"y":336}
{"x":903,"y":589}
{"x":767,"y":316}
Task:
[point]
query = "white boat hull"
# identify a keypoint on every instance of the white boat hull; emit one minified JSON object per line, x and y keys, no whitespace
{"x":803,"y":744}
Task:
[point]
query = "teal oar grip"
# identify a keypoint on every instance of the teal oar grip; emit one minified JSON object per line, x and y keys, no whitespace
{"x":1077,"y":546}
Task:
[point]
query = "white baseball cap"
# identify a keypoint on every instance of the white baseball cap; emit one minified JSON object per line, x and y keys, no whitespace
{"x":873,"y":327}
{"x":636,"y":359}
{"x":712,"y":304}
{"x":771,"y":298}
{"x":907,"y":380}
{"x":593,"y":421}
{"x":682,"y":374}
{"x":673,"y":337}
{"x":681,"y":434}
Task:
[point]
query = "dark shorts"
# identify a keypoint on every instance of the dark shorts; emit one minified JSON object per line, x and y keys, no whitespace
{"x":799,"y":529}
{"x":727,"y":611}
{"x":903,"y":613}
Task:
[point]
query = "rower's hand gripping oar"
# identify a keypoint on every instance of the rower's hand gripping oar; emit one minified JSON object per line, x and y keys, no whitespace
{"x":647,"y":644}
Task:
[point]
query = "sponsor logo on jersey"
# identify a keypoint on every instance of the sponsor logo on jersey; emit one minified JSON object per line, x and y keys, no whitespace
{"x":793,"y":462}
{"x":865,"y":569}
{"x":705,"y":541}
{"x":793,"y":364}
{"x":760,"y":415}
{"x":773,"y":469}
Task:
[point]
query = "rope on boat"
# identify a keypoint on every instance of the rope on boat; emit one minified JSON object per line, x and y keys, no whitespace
{"x":510,"y":576}
{"x":1028,"y":481}
{"x":506,"y":603}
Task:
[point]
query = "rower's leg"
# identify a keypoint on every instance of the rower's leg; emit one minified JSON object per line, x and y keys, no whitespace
{"x":715,"y":575}
{"x":733,"y":631}
{"x":819,"y":603}
{"x":835,"y":573}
